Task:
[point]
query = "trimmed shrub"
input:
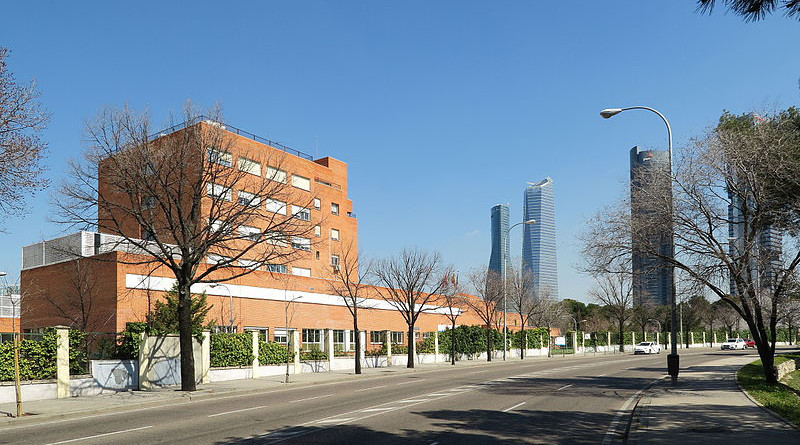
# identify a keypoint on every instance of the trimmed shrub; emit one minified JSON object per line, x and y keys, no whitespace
{"x":313,"y":354}
{"x":37,"y":358}
{"x":271,"y":353}
{"x":231,"y":349}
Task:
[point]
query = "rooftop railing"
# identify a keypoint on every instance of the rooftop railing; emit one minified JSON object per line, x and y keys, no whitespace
{"x":232,"y":129}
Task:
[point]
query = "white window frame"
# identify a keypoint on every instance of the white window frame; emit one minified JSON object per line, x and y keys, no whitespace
{"x":249,"y":166}
{"x":317,"y":231}
{"x":248,"y":264}
{"x":275,"y":174}
{"x":301,"y":182}
{"x":249,"y":232}
{"x":300,"y":243}
{"x":282,"y":333}
{"x":213,"y":258}
{"x":221,"y":157}
{"x":276,"y":239}
{"x":301,"y":271}
{"x":317,"y":204}
{"x":335,"y":261}
{"x":301,"y":213}
{"x":335,"y":235}
{"x":275,"y":206}
{"x":218,"y":191}
{"x":248,"y":199}
{"x":334,"y":208}
{"x":277,"y":268}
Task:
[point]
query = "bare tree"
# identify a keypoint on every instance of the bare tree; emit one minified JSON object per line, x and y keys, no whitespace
{"x":741,"y":177}
{"x":348,"y":282}
{"x":487,"y":287}
{"x":22,"y":118}
{"x":523,"y":298}
{"x":79,"y":303}
{"x":454,"y":302}
{"x":753,"y":10}
{"x":169,"y":199}
{"x":550,"y":313}
{"x":411,"y":283}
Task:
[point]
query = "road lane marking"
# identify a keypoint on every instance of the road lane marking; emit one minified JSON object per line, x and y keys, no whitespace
{"x":413,"y":381}
{"x":337,"y":420}
{"x":412,"y":400}
{"x":372,"y":410}
{"x":565,"y":387}
{"x":311,"y":398}
{"x":101,"y":435}
{"x":515,"y":406}
{"x":477,"y":372}
{"x":436,"y":395}
{"x":612,"y":427}
{"x":367,"y":389}
{"x":237,"y":411}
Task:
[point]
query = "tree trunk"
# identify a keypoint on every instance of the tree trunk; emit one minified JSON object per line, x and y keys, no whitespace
{"x":357,"y":336}
{"x":768,"y":363}
{"x":453,"y":349}
{"x":488,"y":344}
{"x":185,"y":332}
{"x":621,"y":337}
{"x":17,"y":388}
{"x":410,"y":363}
{"x":523,"y":342}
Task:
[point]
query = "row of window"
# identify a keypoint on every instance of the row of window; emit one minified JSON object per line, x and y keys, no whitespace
{"x":255,"y":234}
{"x":246,"y":165}
{"x":315,"y":337}
{"x":275,"y":268}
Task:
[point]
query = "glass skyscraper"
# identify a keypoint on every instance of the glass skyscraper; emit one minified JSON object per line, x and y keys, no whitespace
{"x":652,"y":276}
{"x":539,"y":239}
{"x":499,"y":259}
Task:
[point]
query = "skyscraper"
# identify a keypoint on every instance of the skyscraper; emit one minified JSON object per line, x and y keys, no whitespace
{"x":652,"y":277}
{"x":499,"y":259}
{"x":539,"y":239}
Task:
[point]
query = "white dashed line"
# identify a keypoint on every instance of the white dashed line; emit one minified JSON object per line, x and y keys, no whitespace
{"x":237,"y":411}
{"x":311,"y":398}
{"x":367,"y":389}
{"x":515,"y":406}
{"x":101,"y":435}
{"x":565,"y":387}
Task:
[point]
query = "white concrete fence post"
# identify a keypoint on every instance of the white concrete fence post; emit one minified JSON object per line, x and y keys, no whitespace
{"x":714,"y":336}
{"x":255,"y":373}
{"x":633,"y":338}
{"x":205,"y":360}
{"x":296,"y":351}
{"x":691,"y":339}
{"x":329,"y":347}
{"x":608,"y":338}
{"x":388,"y":339}
{"x":362,"y":338}
{"x":62,"y":362}
{"x":704,"y":339}
{"x":436,"y":347}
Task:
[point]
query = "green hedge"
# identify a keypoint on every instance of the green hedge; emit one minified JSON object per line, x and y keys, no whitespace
{"x":537,"y":338}
{"x":37,"y":358}
{"x":469,"y":340}
{"x":231,"y":349}
{"x":313,"y":354}
{"x":271,"y":353}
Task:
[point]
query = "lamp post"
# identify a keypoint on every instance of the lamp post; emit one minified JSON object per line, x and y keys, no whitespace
{"x":230,"y":296}
{"x":673,"y":359}
{"x":505,"y":293}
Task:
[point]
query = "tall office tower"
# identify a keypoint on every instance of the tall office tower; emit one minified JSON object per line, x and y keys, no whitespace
{"x":539,"y":239}
{"x":499,"y":259}
{"x":652,"y":277}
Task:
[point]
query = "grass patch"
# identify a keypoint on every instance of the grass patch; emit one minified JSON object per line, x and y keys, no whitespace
{"x":779,"y":398}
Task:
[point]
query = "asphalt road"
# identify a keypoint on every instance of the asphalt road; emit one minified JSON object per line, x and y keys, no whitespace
{"x":555,"y":401}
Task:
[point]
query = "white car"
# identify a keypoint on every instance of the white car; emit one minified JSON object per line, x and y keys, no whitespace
{"x":647,"y":347}
{"x":734,"y":343}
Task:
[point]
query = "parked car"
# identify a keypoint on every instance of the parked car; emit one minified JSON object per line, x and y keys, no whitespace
{"x":647,"y":347}
{"x":749,"y":343}
{"x":734,"y":343}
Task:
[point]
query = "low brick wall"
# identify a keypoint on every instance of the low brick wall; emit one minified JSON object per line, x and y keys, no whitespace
{"x":785,"y":368}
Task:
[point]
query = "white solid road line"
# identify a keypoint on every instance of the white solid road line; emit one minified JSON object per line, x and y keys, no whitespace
{"x":311,"y":398}
{"x":367,"y":389}
{"x":413,"y":381}
{"x":238,"y":411}
{"x":515,"y":406}
{"x":101,"y":435}
{"x":565,"y":387}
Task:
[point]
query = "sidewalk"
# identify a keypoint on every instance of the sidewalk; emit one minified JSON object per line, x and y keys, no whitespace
{"x":706,"y":407}
{"x":53,"y":409}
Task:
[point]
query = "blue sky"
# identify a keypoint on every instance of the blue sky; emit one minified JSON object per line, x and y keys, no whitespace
{"x":441,"y":109}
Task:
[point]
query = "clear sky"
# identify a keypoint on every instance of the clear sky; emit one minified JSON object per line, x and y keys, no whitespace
{"x":440,"y":108}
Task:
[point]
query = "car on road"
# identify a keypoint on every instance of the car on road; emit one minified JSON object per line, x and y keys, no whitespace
{"x":749,"y":343}
{"x":647,"y":347}
{"x":733,"y":343}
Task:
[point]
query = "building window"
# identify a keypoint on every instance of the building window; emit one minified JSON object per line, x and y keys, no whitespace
{"x":250,"y":233}
{"x":261,"y":333}
{"x":318,"y":254}
{"x":301,"y":182}
{"x":301,"y":213}
{"x":312,"y":338}
{"x":275,"y":206}
{"x":217,"y":259}
{"x":218,"y":191}
{"x":277,"y":175}
{"x":397,"y":337}
{"x":335,"y":261}
{"x":301,"y":243}
{"x":338,"y":337}
{"x":220,"y":157}
{"x":249,"y":166}
{"x":301,"y":271}
{"x":218,"y":227}
{"x":353,"y":341}
{"x":276,"y":239}
{"x":334,"y":208}
{"x":277,"y":268}
{"x":282,"y":335}
{"x":248,"y":199}
{"x":148,"y":234}
{"x":317,"y":231}
{"x":317,"y":204}
{"x":148,"y":202}
{"x":248,"y":264}
{"x":377,"y":337}
{"x":335,"y":234}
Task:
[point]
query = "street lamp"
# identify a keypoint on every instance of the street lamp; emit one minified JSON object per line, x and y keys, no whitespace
{"x":505,"y":293}
{"x":673,"y":359}
{"x":230,"y":296}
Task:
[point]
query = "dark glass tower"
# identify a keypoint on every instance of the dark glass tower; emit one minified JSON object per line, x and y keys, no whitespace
{"x":652,"y":277}
{"x":539,"y":239}
{"x":499,"y":259}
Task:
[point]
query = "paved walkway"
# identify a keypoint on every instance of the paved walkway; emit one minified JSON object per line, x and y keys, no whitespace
{"x":707,"y":407}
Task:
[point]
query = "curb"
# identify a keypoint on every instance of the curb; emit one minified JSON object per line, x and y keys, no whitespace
{"x":757,"y":403}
